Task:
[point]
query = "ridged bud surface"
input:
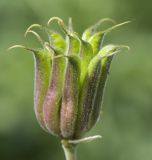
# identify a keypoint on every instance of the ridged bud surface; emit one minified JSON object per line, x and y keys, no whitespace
{"x":70,"y":77}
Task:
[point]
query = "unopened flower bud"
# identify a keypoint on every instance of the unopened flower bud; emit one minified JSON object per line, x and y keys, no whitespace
{"x":70,"y":76}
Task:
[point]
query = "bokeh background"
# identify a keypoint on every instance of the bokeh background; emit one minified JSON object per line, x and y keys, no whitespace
{"x":126,"y":122}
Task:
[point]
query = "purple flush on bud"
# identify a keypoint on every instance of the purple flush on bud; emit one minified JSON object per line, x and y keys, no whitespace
{"x":70,"y":76}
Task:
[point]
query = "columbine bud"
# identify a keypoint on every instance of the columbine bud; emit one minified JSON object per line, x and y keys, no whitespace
{"x":70,"y":75}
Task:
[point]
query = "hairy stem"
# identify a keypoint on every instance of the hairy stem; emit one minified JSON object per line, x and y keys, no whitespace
{"x":69,"y":150}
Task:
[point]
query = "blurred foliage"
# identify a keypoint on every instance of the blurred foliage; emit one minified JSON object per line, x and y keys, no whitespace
{"x":126,"y":119}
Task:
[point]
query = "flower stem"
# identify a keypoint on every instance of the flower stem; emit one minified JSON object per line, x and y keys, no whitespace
{"x":69,"y":150}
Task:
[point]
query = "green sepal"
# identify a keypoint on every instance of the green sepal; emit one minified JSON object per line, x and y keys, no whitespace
{"x":91,"y":88}
{"x":106,"y":54}
{"x":71,"y":85}
{"x":69,"y":106}
{"x":86,"y":54}
{"x":43,"y":62}
{"x":52,"y":104}
{"x":73,"y":44}
{"x":95,"y":115}
{"x":96,"y":41}
{"x":87,"y":95}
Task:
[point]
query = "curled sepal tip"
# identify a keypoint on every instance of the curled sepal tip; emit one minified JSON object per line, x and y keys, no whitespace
{"x":23,"y":47}
{"x":91,"y":30}
{"x":60,"y":22}
{"x":96,"y":40}
{"x":37,"y":36}
{"x":110,"y":50}
{"x":54,"y":18}
{"x":30,"y":27}
{"x":115,"y":26}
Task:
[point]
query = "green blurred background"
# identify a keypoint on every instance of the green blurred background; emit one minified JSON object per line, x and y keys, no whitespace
{"x":126,"y":122}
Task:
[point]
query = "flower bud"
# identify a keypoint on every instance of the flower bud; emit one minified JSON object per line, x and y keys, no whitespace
{"x":70,"y":76}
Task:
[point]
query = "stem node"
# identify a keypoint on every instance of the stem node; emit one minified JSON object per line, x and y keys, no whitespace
{"x":69,"y":150}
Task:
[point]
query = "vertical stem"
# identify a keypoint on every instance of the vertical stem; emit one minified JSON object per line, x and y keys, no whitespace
{"x":69,"y":150}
